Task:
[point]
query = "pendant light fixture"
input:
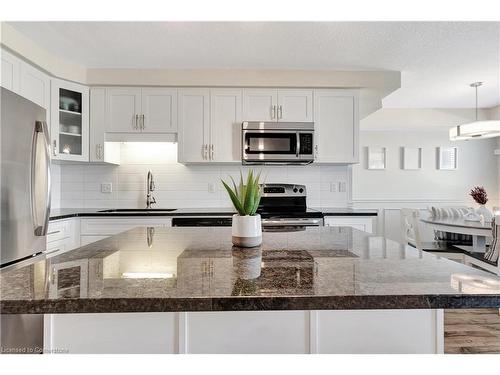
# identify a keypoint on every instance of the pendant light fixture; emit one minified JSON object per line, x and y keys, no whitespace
{"x":475,"y":129}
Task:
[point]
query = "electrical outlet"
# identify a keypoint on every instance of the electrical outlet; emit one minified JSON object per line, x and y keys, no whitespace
{"x":333,"y":187}
{"x":106,"y":187}
{"x":211,"y":187}
{"x":342,"y":187}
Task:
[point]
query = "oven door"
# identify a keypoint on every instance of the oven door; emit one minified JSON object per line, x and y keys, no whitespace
{"x":269,"y":145}
{"x":277,"y":147}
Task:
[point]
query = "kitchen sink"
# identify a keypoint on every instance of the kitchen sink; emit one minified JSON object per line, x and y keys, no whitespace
{"x":146,"y":210}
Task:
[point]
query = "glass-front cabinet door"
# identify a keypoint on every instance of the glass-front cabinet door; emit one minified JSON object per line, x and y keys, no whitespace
{"x":70,"y":121}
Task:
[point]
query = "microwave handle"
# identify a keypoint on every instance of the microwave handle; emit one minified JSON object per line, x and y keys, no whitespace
{"x":297,"y":150}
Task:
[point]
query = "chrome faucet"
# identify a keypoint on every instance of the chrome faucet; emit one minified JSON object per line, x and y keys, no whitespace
{"x":150,"y":188}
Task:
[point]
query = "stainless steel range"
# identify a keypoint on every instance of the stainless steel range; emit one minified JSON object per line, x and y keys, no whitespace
{"x":283,"y":207}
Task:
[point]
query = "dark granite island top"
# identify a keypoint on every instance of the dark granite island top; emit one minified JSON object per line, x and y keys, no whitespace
{"x":197,"y":269}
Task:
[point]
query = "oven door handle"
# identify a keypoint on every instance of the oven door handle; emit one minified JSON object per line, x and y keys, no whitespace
{"x":291,"y":222}
{"x":297,"y":135}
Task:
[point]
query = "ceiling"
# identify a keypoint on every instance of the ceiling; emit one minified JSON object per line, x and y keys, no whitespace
{"x":438,"y":60}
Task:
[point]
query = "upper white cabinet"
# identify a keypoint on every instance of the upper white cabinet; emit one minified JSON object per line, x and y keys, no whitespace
{"x":99,"y":149}
{"x":70,"y":121}
{"x":26,"y":80}
{"x":123,"y":106}
{"x":11,"y":66}
{"x":291,"y":105}
{"x":336,"y":125}
{"x":146,"y":110}
{"x":225,"y":125}
{"x":209,"y":125}
{"x":260,"y":104}
{"x":295,"y":105}
{"x":159,"y":110}
{"x":194,"y":127}
{"x":35,"y":86}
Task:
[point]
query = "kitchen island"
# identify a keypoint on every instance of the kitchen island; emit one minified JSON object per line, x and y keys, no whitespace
{"x":187,"y":290}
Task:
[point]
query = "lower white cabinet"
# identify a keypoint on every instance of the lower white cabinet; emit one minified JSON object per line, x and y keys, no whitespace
{"x":125,"y":333}
{"x":95,"y":229}
{"x":364,"y":223}
{"x":62,"y":235}
{"x":338,"y":331}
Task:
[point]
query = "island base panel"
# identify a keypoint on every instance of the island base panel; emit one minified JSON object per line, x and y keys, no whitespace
{"x":339,"y":331}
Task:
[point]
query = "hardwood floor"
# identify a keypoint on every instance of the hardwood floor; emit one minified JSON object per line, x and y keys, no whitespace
{"x":472,"y":331}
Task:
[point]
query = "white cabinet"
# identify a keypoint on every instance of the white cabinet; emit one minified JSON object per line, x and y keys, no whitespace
{"x":194,"y":127}
{"x":260,"y":104}
{"x":270,"y":332}
{"x":159,"y":110}
{"x":127,"y":333}
{"x":292,"y":105}
{"x":35,"y":86}
{"x":70,"y":121}
{"x":98,"y":228}
{"x":145,"y":110}
{"x":225,"y":125}
{"x":62,"y":236}
{"x":11,"y":66}
{"x":209,"y":125}
{"x":336,"y":125}
{"x":363,"y":223}
{"x":295,"y":105}
{"x":123,"y":106}
{"x":99,"y":149}
{"x":26,"y":80}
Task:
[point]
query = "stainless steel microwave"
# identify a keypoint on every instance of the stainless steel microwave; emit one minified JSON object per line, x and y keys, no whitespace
{"x":277,"y":142}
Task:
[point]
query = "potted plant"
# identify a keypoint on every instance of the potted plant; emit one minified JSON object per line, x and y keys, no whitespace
{"x":246,"y":227}
{"x":478,"y":193}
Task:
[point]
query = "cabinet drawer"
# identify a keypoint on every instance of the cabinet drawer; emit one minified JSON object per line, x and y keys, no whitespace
{"x":58,"y":247}
{"x":115,"y":225}
{"x":58,"y":230}
{"x":364,"y":223}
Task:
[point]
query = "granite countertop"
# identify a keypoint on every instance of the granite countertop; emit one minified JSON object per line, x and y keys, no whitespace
{"x":64,"y":213}
{"x":198,"y":269}
{"x":458,"y":222}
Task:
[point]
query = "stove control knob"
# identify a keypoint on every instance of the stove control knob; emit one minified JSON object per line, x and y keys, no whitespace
{"x":301,"y":190}
{"x":295,"y":190}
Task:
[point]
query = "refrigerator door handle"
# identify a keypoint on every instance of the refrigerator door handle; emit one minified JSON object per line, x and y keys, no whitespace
{"x":40,"y":179}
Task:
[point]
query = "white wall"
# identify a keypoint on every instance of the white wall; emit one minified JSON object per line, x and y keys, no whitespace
{"x":179,"y":186}
{"x":392,"y":189}
{"x":476,"y":166}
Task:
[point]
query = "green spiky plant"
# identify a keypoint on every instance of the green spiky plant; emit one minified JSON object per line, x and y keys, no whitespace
{"x":245,"y":196}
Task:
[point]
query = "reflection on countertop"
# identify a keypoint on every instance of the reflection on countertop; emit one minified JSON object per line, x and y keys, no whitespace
{"x":198,"y":269}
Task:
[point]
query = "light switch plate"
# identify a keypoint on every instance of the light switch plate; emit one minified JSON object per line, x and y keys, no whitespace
{"x":106,"y":187}
{"x":211,"y":187}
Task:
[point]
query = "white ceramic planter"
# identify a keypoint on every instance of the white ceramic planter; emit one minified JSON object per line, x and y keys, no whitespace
{"x":247,"y":230}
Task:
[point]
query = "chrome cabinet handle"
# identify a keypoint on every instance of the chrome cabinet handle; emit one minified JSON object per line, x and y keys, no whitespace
{"x":315,"y":151}
{"x":273,"y":112}
{"x":136,"y":123}
{"x":280,"y":112}
{"x":143,"y":124}
{"x":212,"y":151}
{"x":205,"y":151}
{"x":54,"y":149}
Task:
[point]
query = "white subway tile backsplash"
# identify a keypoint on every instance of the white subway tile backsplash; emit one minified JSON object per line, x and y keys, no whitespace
{"x":179,"y":185}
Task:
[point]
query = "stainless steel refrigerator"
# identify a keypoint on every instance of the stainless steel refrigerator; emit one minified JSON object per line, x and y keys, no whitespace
{"x":25,"y":202}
